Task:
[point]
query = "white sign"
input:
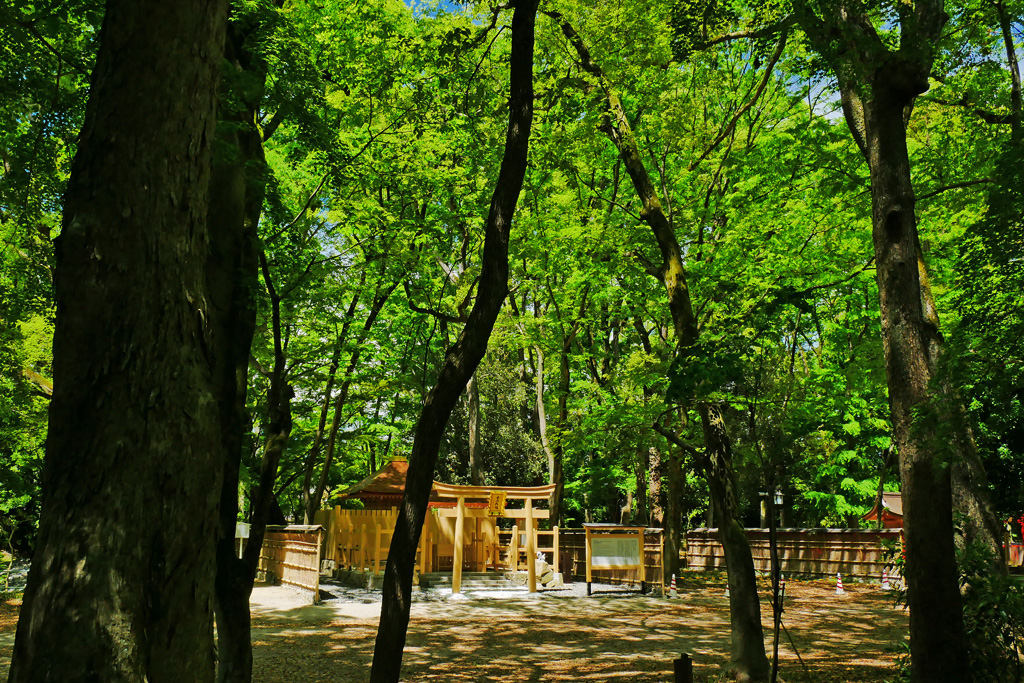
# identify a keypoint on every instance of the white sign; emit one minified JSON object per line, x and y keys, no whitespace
{"x":241,"y":530}
{"x":615,"y":552}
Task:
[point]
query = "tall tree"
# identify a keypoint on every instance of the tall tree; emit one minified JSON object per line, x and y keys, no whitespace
{"x":878,"y":85}
{"x":121,"y":585}
{"x":463,"y":357}
{"x":747,"y":644}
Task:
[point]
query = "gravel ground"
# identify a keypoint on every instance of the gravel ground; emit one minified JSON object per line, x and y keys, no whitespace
{"x":13,"y":577}
{"x":512,"y":636}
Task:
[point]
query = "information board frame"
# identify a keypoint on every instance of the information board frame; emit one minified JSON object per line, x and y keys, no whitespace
{"x":623,"y":537}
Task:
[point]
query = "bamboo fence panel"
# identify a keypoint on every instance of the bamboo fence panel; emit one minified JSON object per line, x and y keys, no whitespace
{"x":814,"y":552}
{"x":292,"y":557}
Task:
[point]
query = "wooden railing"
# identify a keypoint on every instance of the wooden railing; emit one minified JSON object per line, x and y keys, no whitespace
{"x":508,"y":558}
{"x":357,"y":539}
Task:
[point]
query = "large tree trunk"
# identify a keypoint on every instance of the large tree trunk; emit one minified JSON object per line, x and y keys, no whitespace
{"x":121,"y":585}
{"x":938,"y":641}
{"x":878,"y":87}
{"x":462,"y":358}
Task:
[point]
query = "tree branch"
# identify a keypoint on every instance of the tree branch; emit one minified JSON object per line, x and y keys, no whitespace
{"x":727,"y":131}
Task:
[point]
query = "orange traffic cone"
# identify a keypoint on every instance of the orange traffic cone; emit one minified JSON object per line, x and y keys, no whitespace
{"x":839,"y":584}
{"x":672,"y":591}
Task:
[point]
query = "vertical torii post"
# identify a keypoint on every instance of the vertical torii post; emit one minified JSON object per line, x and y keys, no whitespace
{"x":460,"y":526}
{"x":531,"y":548}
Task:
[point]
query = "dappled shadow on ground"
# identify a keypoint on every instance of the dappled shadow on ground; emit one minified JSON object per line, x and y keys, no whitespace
{"x":614,"y":637}
{"x":849,"y":639}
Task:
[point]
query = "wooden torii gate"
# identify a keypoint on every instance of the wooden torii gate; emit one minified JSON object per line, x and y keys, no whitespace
{"x":528,"y":513}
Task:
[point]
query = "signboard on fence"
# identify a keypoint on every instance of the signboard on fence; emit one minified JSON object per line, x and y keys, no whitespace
{"x":611,"y":546}
{"x":615,"y":552}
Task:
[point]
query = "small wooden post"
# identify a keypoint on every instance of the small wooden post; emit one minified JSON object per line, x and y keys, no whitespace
{"x":460,"y":527}
{"x":683,"y":669}
{"x":554,"y":545}
{"x":424,"y":545}
{"x":643,"y":563}
{"x":513,"y":549}
{"x":362,"y":547}
{"x":531,"y":548}
{"x":590,"y":577}
{"x":379,"y":551}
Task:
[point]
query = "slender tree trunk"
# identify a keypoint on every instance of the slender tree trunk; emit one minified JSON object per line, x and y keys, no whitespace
{"x":235,"y":576}
{"x":748,"y":656}
{"x":673,"y":522}
{"x":232,"y":272}
{"x":643,"y":463}
{"x":553,"y":453}
{"x":462,"y":359}
{"x":747,"y":635}
{"x":379,"y":299}
{"x":318,"y":437}
{"x":121,"y":584}
{"x":476,"y":467}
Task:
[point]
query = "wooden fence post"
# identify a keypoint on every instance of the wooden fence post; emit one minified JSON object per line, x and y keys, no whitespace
{"x":683,"y":669}
{"x":362,"y":547}
{"x":531,"y":549}
{"x":554,"y":545}
{"x":377,"y":551}
{"x":513,"y":549}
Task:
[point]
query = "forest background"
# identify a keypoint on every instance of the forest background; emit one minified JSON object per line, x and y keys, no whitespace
{"x":380,"y":130}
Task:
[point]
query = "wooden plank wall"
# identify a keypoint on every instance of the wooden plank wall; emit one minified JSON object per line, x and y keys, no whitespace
{"x":572,"y":545}
{"x":293,"y":558}
{"x":357,"y":539}
{"x":814,"y":552}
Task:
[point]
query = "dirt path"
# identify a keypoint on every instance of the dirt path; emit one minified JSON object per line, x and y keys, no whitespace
{"x":612,"y":637}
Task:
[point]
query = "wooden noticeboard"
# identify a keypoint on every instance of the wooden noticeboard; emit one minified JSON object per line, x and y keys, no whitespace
{"x":611,"y":546}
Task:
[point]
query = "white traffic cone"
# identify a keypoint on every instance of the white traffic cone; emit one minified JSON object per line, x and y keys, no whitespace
{"x":672,"y":590}
{"x":885,"y":580}
{"x":727,"y":590}
{"x":839,"y":584}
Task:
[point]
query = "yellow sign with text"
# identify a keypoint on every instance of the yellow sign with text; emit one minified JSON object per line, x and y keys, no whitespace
{"x":496,"y":504}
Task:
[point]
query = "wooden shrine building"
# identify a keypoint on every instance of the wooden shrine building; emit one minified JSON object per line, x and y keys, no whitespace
{"x":460,"y":532}
{"x":891,"y":511}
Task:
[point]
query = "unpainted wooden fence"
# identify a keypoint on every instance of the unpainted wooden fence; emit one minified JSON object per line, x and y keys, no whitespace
{"x":291,"y":555}
{"x":813,"y":552}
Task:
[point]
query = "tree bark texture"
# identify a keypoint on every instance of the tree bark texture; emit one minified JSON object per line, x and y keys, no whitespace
{"x":121,"y":585}
{"x":938,"y":642}
{"x":461,"y":359}
{"x":878,"y":88}
{"x":748,"y":658}
{"x":232,"y":266}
